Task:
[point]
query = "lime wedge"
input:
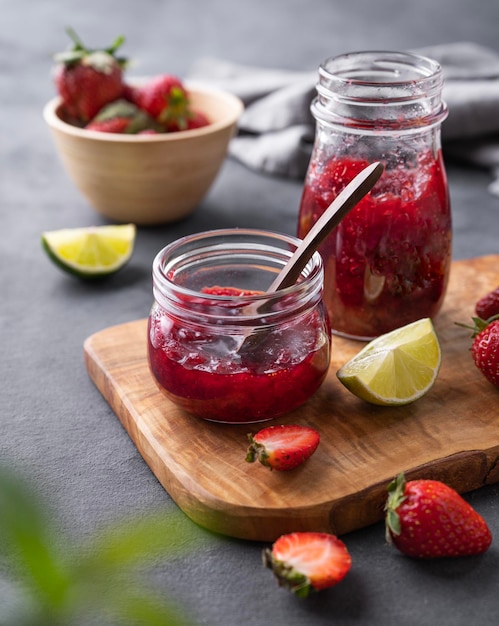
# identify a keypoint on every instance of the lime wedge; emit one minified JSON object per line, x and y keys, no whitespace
{"x":90,"y":252}
{"x":396,"y":368}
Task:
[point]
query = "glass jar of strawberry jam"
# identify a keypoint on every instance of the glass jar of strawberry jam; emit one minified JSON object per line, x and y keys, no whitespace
{"x":387,"y":263}
{"x":221,"y":348}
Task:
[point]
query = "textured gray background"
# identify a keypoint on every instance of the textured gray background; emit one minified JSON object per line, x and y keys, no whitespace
{"x":56,"y":427}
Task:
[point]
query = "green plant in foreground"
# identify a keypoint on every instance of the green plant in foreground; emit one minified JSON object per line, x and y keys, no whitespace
{"x":58,"y":583}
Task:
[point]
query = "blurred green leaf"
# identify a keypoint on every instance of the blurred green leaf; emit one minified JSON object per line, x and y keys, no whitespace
{"x":29,"y":539}
{"x":59,"y":581}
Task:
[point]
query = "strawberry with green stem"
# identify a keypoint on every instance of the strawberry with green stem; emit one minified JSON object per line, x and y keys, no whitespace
{"x":485,"y":346}
{"x":428,"y":519}
{"x":165,"y":99}
{"x":88,"y":79}
{"x":122,"y":116}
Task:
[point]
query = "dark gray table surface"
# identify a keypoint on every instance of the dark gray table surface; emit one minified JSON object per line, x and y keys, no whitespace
{"x":55,"y":425}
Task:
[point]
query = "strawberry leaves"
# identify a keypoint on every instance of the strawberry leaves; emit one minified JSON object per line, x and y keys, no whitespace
{"x":79,"y":51}
{"x":395,"y":498}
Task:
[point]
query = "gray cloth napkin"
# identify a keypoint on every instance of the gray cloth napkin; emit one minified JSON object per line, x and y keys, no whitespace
{"x":276,"y":130}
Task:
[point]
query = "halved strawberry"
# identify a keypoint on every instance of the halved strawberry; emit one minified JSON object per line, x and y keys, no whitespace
{"x":282,"y":447}
{"x":428,"y":519}
{"x":308,"y":561}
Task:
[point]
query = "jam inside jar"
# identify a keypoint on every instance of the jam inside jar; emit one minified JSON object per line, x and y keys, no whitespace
{"x":218,"y":345}
{"x":387,"y":263}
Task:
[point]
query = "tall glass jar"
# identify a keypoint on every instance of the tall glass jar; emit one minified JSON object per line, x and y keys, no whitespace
{"x":221,"y":348}
{"x":387,"y":263}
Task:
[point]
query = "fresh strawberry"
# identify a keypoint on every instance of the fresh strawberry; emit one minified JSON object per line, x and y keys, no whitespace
{"x":427,"y":519}
{"x":130,"y":92}
{"x":122,"y":116}
{"x":485,"y":346}
{"x":115,"y":125}
{"x":282,"y":447}
{"x":194,"y":119}
{"x":308,"y":561}
{"x":164,"y":98}
{"x":88,"y":79}
{"x":197,"y":119}
{"x":488,"y":306}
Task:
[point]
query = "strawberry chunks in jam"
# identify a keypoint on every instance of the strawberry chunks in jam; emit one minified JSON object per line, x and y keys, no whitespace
{"x":387,"y":263}
{"x":201,"y":369}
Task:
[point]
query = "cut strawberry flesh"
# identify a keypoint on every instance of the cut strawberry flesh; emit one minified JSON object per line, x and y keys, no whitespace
{"x":287,"y":438}
{"x":321,"y":557}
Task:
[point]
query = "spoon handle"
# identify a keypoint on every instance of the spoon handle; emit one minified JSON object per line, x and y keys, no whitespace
{"x":351,"y":195}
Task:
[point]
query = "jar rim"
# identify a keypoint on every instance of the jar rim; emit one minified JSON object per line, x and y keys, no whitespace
{"x":380,"y":90}
{"x":183,"y":251}
{"x":380,"y":63}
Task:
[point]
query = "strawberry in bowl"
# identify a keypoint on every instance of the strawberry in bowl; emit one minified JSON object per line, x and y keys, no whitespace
{"x":93,"y":90}
{"x":133,"y":164}
{"x":87,"y":80}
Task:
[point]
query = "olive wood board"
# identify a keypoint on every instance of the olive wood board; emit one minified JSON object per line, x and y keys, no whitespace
{"x":450,"y":434}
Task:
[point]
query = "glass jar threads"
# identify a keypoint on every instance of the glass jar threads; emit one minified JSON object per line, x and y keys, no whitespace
{"x":218,"y":345}
{"x":387,"y":263}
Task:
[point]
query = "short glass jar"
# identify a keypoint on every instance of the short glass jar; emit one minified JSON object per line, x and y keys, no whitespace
{"x":221,"y":348}
{"x":388,"y":262}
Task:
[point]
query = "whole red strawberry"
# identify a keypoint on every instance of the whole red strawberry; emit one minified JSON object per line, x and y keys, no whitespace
{"x":308,"y":561}
{"x":485,"y":348}
{"x":165,"y":99}
{"x":427,"y":519}
{"x":488,"y":306}
{"x":87,"y":80}
{"x":282,"y":447}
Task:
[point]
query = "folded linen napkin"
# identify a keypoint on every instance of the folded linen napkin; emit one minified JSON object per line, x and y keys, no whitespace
{"x":276,"y":130}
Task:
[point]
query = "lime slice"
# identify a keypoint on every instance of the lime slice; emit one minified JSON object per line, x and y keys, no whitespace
{"x":396,"y":368}
{"x":90,"y":252}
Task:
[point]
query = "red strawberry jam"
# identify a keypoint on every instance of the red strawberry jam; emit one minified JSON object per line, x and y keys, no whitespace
{"x":387,"y":263}
{"x":203,"y":369}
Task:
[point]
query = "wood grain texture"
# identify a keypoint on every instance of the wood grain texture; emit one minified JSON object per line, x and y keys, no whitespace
{"x":451,"y":434}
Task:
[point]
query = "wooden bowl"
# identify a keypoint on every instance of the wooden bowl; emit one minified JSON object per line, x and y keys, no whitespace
{"x":148,"y":179}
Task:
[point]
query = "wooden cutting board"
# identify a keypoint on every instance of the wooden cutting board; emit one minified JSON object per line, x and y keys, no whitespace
{"x":451,"y":434}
